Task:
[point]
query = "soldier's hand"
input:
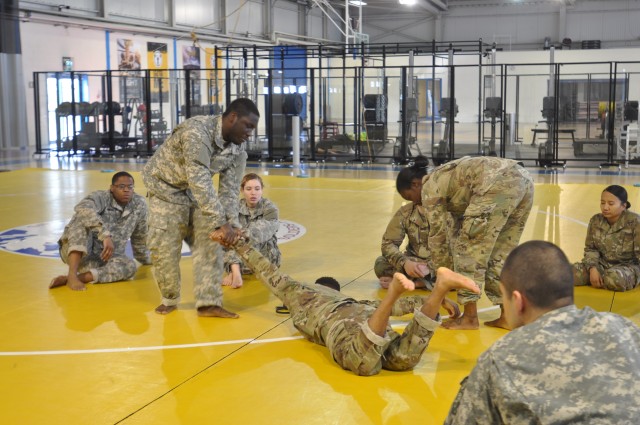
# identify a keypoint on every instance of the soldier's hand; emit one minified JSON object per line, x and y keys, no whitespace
{"x":107,"y":249}
{"x":595,"y":278}
{"x":415,"y":269}
{"x":226,"y":235}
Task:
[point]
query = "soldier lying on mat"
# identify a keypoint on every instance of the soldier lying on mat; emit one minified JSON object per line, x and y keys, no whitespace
{"x":358,"y":335}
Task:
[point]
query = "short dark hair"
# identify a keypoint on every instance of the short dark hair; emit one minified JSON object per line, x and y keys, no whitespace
{"x":407,"y":175}
{"x":119,"y":174}
{"x":329,"y":282}
{"x":243,"y":107}
{"x":540,"y":271}
{"x":620,"y":193}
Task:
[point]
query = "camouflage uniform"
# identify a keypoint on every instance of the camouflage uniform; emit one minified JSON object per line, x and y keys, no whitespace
{"x":98,"y":216}
{"x":329,"y":318}
{"x":261,"y":225}
{"x":569,"y":366}
{"x":489,"y":199}
{"x":612,"y":249}
{"x":183,"y":205}
{"x":408,"y":221}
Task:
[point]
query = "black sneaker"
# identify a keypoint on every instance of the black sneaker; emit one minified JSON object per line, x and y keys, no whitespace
{"x":282,"y":309}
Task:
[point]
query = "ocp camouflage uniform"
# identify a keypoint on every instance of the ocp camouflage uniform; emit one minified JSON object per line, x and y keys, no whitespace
{"x":261,"y":225}
{"x":489,"y":199}
{"x":409,"y":221}
{"x":614,"y":250}
{"x":404,"y":305}
{"x":329,"y":318}
{"x":97,"y":217}
{"x":184,"y":205}
{"x":569,"y":366}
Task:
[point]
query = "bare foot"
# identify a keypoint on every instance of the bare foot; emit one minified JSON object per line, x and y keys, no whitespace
{"x":462,"y":323}
{"x":75,"y":284}
{"x":58,"y":281}
{"x":400,"y":284}
{"x":216,"y":311}
{"x":447,"y":279}
{"x":165,"y":309}
{"x":500,"y":322}
{"x":452,"y":308}
{"x":236,"y":281}
{"x":227,"y":280}
{"x":385,"y":281}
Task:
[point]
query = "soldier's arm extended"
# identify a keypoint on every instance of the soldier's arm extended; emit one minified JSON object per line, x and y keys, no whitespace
{"x":140,"y":231}
{"x":392,"y":240}
{"x":197,"y":162}
{"x":89,"y":210}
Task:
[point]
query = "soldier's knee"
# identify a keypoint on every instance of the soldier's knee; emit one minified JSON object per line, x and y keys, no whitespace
{"x":365,"y":369}
{"x":402,"y":363}
{"x":615,"y":280}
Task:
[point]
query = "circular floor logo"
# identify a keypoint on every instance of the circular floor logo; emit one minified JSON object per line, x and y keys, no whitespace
{"x":41,"y":239}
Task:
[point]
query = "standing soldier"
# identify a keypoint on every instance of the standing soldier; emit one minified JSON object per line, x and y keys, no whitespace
{"x":93,"y":242}
{"x":490,"y":199}
{"x":184,"y":205}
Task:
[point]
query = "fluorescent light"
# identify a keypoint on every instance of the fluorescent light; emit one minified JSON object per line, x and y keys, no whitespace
{"x":407,"y":2}
{"x":357,"y":3}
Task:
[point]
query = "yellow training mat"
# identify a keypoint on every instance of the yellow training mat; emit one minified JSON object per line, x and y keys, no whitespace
{"x":103,"y":356}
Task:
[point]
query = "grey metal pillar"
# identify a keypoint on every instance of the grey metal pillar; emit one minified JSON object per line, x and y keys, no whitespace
{"x":13,"y":107}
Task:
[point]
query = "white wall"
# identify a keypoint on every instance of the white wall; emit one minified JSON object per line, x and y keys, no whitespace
{"x":516,"y":25}
{"x":44,"y":45}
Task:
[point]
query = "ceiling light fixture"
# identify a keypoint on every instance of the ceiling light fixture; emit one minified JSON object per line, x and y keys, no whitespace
{"x":407,"y":2}
{"x":357,"y":3}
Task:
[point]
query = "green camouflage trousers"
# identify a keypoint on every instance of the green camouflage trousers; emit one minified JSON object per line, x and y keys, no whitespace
{"x":489,"y":230}
{"x":78,"y":238}
{"x":169,"y":225}
{"x":329,"y":318}
{"x":620,"y":277}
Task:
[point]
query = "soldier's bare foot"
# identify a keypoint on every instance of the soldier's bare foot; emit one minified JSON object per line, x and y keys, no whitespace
{"x":447,"y":279}
{"x":385,"y":281}
{"x":500,"y":322}
{"x":462,"y":323}
{"x":452,"y":308}
{"x":165,"y":309}
{"x":216,"y":311}
{"x":227,"y":280}
{"x":75,"y":284}
{"x":399,"y":284}
{"x":58,"y":281}
{"x":236,"y":282}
